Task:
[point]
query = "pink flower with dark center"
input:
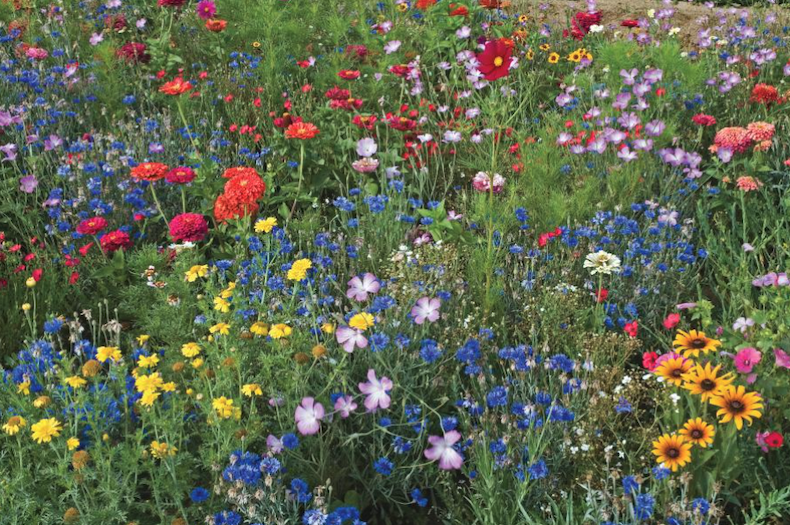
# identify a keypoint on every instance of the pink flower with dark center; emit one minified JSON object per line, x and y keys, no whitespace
{"x":427,"y":308}
{"x":308,"y":416}
{"x":746,"y":359}
{"x":442,"y":451}
{"x":377,"y":391}
{"x":350,"y":338}
{"x":359,"y":288}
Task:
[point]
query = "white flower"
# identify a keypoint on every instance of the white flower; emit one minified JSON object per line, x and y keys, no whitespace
{"x":366,"y":147}
{"x":596,"y":28}
{"x":602,"y":262}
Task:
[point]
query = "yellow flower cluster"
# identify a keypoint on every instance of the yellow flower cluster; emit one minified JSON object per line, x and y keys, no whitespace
{"x":196,"y":272}
{"x":299,"y":269}
{"x":265,"y":225}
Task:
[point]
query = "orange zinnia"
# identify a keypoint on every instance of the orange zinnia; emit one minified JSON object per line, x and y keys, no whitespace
{"x":175,"y":87}
{"x":149,"y":171}
{"x":301,"y":131}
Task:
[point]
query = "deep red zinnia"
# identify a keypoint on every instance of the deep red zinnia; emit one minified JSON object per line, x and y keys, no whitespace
{"x":115,"y":240}
{"x":188,"y":227}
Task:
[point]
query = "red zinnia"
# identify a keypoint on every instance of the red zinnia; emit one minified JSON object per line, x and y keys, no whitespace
{"x":150,"y":171}
{"x":180,"y":175}
{"x":629,"y":23}
{"x":226,"y":208}
{"x":134,"y":52}
{"x":115,"y":240}
{"x":764,"y":94}
{"x":238,"y":170}
{"x":246,"y":188}
{"x":348,"y":74}
{"x":424,"y":4}
{"x":91,"y":226}
{"x":301,"y":131}
{"x":702,"y":119}
{"x":495,"y":59}
{"x":188,"y":227}
{"x":458,"y":10}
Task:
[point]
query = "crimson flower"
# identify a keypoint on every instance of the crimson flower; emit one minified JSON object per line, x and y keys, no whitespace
{"x":495,"y":59}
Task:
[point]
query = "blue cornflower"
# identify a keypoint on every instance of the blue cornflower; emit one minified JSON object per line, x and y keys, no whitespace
{"x":383,"y":466}
{"x":199,"y":495}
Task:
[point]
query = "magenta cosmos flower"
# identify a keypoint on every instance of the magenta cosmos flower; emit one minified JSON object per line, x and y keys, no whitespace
{"x":308,"y":416}
{"x":350,"y":338}
{"x":442,"y":450}
{"x":359,"y":288}
{"x":206,"y":9}
{"x":345,"y":405}
{"x":377,"y":392}
{"x":426,"y":308}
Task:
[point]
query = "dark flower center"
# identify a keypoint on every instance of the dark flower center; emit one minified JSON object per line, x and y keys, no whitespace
{"x":708,"y":384}
{"x":696,"y":433}
{"x":736,"y":406}
{"x":673,"y":453}
{"x":698,"y":343}
{"x":678,"y":372}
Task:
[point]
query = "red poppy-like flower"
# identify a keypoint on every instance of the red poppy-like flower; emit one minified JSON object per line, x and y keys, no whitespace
{"x":215,"y":25}
{"x":458,"y":10}
{"x":602,"y":295}
{"x":115,"y":240}
{"x":175,"y":87}
{"x":649,"y":360}
{"x":349,"y":74}
{"x":301,"y":131}
{"x":495,"y":59}
{"x":424,"y":4}
{"x":764,"y":94}
{"x":134,"y":52}
{"x":91,"y":226}
{"x":631,"y":328}
{"x":188,"y":227}
{"x":702,"y":119}
{"x":37,"y":274}
{"x":671,"y":321}
{"x":246,"y":188}
{"x":180,"y":175}
{"x":74,"y":277}
{"x":150,"y":171}
{"x":630,"y":23}
{"x":171,"y":3}
{"x":226,"y":208}
{"x":774,"y":440}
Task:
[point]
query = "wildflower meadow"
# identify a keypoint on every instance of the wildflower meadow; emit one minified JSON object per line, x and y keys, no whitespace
{"x":424,"y":262}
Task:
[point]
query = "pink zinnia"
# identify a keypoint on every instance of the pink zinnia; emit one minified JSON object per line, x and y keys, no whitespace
{"x":443,"y":451}
{"x":377,"y":391}
{"x":746,"y":359}
{"x":308,"y":416}
{"x":359,"y":288}
{"x":180,"y":175}
{"x":760,"y":131}
{"x":188,"y":227}
{"x":747,"y":183}
{"x":206,"y":9}
{"x":427,"y":308}
{"x":735,"y":139}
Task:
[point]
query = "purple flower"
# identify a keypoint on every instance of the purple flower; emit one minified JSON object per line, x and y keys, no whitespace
{"x":442,"y":450}
{"x":654,"y":128}
{"x":426,"y":308}
{"x":377,"y":392}
{"x":629,"y":77}
{"x":391,"y":46}
{"x":345,"y":405}
{"x":274,"y":444}
{"x":359,"y":288}
{"x":308,"y":416}
{"x":28,"y":183}
{"x":626,"y":154}
{"x":206,"y":9}
{"x":350,"y":338}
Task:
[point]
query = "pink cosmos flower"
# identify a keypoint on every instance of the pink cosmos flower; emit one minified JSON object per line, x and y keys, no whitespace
{"x":782,"y":359}
{"x":377,"y":391}
{"x":746,"y":359}
{"x":345,"y":405}
{"x":308,"y":416}
{"x":426,"y":308}
{"x":482,"y":182}
{"x":350,"y":338}
{"x":359,"y":288}
{"x":443,"y":451}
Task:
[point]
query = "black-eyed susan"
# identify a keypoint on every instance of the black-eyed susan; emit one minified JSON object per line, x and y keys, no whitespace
{"x":694,"y":342}
{"x":706,"y":381}
{"x":672,"y":450}
{"x":554,"y":58}
{"x":698,"y":432}
{"x":545,"y":47}
{"x":530,"y":54}
{"x":736,"y":404}
{"x":523,"y":19}
{"x":576,"y":56}
{"x":674,"y":368}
